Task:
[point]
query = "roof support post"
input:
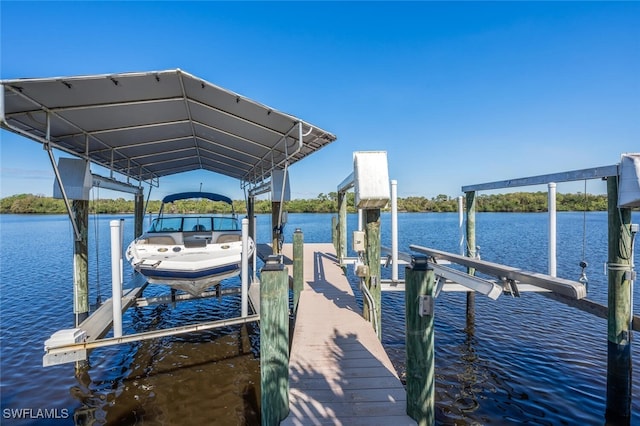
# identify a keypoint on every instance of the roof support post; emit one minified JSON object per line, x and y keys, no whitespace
{"x":2,"y":118}
{"x":67,"y":204}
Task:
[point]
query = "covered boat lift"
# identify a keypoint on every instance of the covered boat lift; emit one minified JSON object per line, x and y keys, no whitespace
{"x":147,"y":125}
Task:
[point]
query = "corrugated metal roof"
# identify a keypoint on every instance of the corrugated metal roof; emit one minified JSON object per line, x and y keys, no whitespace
{"x":152,"y":124}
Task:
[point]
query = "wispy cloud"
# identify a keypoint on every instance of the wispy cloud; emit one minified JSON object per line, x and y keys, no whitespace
{"x":8,"y":172}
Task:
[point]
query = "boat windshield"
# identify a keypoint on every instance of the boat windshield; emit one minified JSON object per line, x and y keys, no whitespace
{"x":194,"y":224}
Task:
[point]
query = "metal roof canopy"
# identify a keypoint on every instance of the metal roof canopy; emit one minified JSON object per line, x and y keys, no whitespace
{"x":153,"y":124}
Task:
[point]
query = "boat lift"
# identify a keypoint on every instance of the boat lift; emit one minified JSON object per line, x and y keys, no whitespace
{"x":144,"y":126}
{"x":74,"y":344}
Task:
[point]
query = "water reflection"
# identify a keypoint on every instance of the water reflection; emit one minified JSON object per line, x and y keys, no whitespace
{"x":209,"y":377}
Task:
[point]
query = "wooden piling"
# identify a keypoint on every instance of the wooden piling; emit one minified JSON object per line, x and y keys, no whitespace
{"x":419,"y":279}
{"x":80,"y":209}
{"x":298,"y":269}
{"x":342,"y":226}
{"x":618,"y":409}
{"x":471,"y":252}
{"x":274,"y":342}
{"x":251,"y":203}
{"x":372,"y":257}
{"x":138,"y":214}
{"x":334,"y":232}
{"x":275,"y":229}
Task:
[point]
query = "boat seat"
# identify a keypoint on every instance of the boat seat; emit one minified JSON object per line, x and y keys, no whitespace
{"x":161,"y":239}
{"x":228,"y":238}
{"x":194,"y":243}
{"x":199,"y":228}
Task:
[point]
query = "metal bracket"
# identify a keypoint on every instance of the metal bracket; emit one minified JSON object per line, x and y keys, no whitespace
{"x":425,"y":307}
{"x":511,"y":287}
{"x":273,"y":263}
{"x":419,"y":263}
{"x":439,"y":285}
{"x":64,"y":357}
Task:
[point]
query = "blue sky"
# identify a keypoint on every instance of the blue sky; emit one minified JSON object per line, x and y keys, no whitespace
{"x":457,"y":93}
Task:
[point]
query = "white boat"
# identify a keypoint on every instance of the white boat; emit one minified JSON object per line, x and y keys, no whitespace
{"x":189,"y":252}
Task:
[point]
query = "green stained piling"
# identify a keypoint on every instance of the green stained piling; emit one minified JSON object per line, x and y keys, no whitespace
{"x":372,"y":237}
{"x":274,"y":343}
{"x":618,"y":410}
{"x":420,"y":364}
{"x":298,"y":270}
{"x":342,"y":226}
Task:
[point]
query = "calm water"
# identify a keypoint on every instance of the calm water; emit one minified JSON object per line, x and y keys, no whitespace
{"x":529,"y":360}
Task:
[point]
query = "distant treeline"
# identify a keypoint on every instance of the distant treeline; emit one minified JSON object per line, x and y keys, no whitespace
{"x":323,"y":203}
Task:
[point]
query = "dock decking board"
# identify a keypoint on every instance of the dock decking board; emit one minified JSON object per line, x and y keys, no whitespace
{"x":339,"y":373}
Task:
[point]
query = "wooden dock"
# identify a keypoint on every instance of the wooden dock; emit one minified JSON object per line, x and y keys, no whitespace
{"x":339,"y":372}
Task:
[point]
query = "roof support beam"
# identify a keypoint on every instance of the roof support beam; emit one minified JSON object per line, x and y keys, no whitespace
{"x":108,"y":183}
{"x":287,"y":156}
{"x":98,"y":106}
{"x":47,"y":147}
{"x":188,"y":109}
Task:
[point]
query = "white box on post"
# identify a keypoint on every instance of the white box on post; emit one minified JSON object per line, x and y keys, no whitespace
{"x":371,"y":175}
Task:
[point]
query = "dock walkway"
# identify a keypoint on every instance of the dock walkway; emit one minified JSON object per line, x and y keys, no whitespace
{"x":339,"y":372}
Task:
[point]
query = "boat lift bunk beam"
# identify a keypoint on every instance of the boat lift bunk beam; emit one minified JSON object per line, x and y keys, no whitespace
{"x":448,"y":278}
{"x":571,"y":289}
{"x":574,"y":175}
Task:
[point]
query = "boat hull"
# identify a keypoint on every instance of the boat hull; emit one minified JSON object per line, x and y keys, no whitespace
{"x":186,"y":268}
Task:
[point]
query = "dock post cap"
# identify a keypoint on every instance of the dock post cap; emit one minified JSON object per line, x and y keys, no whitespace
{"x":420,"y":263}
{"x":273,"y":263}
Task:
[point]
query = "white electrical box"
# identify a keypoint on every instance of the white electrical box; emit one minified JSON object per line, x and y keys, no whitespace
{"x":371,"y":179}
{"x":361,"y":270}
{"x":358,"y":242}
